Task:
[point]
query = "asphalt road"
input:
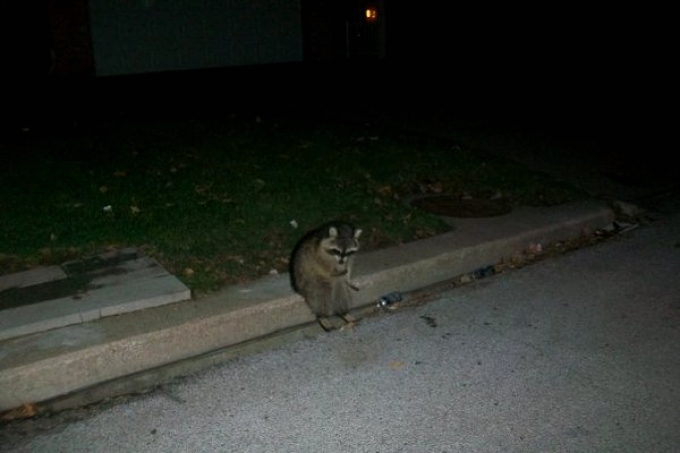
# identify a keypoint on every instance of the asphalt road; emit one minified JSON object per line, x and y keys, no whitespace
{"x":578,"y":353}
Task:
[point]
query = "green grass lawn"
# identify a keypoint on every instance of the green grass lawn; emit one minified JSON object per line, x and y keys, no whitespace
{"x":223,"y":200}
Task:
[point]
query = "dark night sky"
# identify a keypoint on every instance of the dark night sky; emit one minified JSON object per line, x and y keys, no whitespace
{"x":562,"y":55}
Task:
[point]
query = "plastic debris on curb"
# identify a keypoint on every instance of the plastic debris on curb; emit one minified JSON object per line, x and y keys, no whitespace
{"x":624,"y":227}
{"x":484,"y":272}
{"x":389,"y":299}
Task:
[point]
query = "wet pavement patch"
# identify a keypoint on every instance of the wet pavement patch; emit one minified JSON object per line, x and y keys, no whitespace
{"x":19,"y":297}
{"x":76,"y":292}
{"x":78,"y":280}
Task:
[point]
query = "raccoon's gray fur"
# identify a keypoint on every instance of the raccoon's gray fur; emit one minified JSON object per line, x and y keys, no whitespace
{"x":321,"y":266}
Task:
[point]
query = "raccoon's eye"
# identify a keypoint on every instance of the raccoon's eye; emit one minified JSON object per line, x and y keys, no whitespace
{"x":334,"y":252}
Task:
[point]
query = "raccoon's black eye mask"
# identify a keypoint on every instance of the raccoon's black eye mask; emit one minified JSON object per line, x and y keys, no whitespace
{"x":340,"y":253}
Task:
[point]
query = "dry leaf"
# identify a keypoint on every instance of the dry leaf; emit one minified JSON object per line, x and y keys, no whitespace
{"x":26,"y":410}
{"x":236,"y":258}
{"x":436,"y":187}
{"x":385,"y":191}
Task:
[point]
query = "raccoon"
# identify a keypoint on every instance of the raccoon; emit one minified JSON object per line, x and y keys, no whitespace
{"x":321,"y":265}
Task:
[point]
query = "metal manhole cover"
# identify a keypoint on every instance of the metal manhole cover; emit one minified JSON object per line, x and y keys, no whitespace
{"x":450,"y":206}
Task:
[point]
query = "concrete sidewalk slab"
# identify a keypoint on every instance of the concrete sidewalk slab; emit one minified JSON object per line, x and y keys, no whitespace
{"x":85,"y":290}
{"x":43,"y":366}
{"x":32,"y":277}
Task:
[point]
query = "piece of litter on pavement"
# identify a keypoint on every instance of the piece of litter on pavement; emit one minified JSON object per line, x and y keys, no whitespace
{"x":483,"y":272}
{"x":622,"y":227}
{"x":389,"y":299}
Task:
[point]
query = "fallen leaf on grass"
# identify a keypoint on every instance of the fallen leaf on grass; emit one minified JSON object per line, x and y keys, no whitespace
{"x":428,"y":186}
{"x":202,"y":188}
{"x":235,"y":258}
{"x":385,"y":191}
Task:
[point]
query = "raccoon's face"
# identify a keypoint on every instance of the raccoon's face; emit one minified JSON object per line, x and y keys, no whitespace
{"x":341,"y":243}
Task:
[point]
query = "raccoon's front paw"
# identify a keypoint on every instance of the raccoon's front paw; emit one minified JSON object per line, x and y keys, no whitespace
{"x":330,"y":323}
{"x":337,"y":322}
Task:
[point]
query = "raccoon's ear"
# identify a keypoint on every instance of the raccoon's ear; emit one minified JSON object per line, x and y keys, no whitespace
{"x":332,"y":232}
{"x":357,"y":233}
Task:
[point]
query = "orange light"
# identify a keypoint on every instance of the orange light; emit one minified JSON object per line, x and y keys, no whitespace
{"x":371,"y":14}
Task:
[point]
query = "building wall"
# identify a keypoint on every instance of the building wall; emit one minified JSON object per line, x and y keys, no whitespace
{"x":139,"y":36}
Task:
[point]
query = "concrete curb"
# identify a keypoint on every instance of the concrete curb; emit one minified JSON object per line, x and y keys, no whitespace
{"x":40,"y":367}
